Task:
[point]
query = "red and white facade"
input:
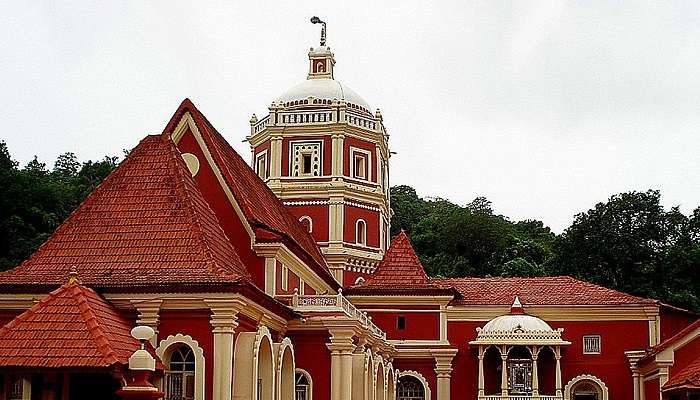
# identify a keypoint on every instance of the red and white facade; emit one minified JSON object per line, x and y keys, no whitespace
{"x":278,"y":282}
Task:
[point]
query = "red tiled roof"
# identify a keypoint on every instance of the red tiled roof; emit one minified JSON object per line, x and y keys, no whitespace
{"x":261,"y":207}
{"x":146,"y":225}
{"x":72,"y":327}
{"x":399,"y":271}
{"x":550,"y":290}
{"x":687,"y":377}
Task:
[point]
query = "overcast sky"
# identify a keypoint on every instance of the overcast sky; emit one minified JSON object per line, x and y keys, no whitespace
{"x":545,"y":108}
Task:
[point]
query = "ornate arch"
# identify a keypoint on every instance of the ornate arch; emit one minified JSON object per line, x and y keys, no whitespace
{"x":390,"y":381}
{"x":594,"y":380}
{"x":165,"y":348}
{"x":284,"y":350}
{"x":247,"y":353}
{"x":420,"y":377}
{"x":308,"y":379}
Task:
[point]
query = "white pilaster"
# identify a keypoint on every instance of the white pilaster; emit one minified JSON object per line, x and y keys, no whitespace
{"x":341,"y":347}
{"x":224,"y":323}
{"x":149,"y":315}
{"x":443,"y":371}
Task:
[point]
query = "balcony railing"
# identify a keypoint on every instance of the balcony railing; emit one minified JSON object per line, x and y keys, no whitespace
{"x":333,"y":303}
{"x":520,"y":397}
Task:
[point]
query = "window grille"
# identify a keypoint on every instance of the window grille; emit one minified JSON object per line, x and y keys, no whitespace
{"x":179,"y":377}
{"x":591,"y":344}
{"x":410,"y":388}
{"x":302,"y":387}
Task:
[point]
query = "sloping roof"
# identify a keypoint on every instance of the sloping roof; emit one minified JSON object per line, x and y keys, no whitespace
{"x":399,"y":271}
{"x":670,"y":341}
{"x":261,"y":207}
{"x":550,"y":290}
{"x":147,"y":225}
{"x":72,"y":327}
{"x":687,"y":377}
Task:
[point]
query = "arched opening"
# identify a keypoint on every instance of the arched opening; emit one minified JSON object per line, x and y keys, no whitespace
{"x":390,"y":383}
{"x":492,"y":371}
{"x":546,"y":371}
{"x":369,"y":374}
{"x":410,"y":388}
{"x":361,"y":232}
{"x":183,"y":360}
{"x":379,"y":385}
{"x":303,"y":385}
{"x":286,"y":370}
{"x":586,"y":387}
{"x":307,"y":222}
{"x":179,"y":374}
{"x":519,"y":366}
{"x":265,"y":382}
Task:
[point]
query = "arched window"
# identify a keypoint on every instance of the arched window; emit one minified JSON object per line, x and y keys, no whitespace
{"x":307,"y":222}
{"x":179,"y":375}
{"x":361,"y":232}
{"x":410,"y":388}
{"x":302,"y":385}
{"x":586,"y":387}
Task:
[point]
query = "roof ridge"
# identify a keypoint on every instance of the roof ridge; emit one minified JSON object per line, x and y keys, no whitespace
{"x":91,"y":321}
{"x":195,"y":221}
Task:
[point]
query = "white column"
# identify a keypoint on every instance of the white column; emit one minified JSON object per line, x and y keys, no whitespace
{"x":557,"y":383}
{"x":341,"y":347}
{"x":535,"y":378}
{"x":337,"y":152}
{"x":443,"y":370}
{"x":481,"y":372}
{"x":636,"y":383}
{"x":224,"y":323}
{"x":149,"y":314}
{"x":504,"y":371}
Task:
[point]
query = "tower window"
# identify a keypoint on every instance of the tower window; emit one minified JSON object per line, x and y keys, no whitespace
{"x":261,"y":165}
{"x":360,"y":163}
{"x":307,"y":222}
{"x":361,"y":232}
{"x":306,"y":164}
{"x":591,"y":344}
{"x":179,"y":376}
{"x":401,"y":322}
{"x":305,"y":158}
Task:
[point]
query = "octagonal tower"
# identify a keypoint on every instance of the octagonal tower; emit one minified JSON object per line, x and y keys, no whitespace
{"x":326,"y":156}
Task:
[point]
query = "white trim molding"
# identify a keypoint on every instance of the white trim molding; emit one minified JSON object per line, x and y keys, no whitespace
{"x":164,"y":354}
{"x":283,"y":350}
{"x":417,"y":375}
{"x":603,"y":389}
{"x":309,"y":220}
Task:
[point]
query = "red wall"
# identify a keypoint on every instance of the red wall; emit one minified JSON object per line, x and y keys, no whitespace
{"x":419,"y":325}
{"x":196,"y":324}
{"x":319,"y":217}
{"x":292,"y":280}
{"x":352,"y":214}
{"x":312,"y":355}
{"x":228,"y":219}
{"x":673,"y":321}
{"x":651,"y":389}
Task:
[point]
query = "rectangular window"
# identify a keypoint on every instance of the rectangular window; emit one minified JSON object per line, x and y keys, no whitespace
{"x":305,"y":158}
{"x":591,"y":344}
{"x":306,"y":164}
{"x":261,"y":165}
{"x":360,"y":164}
{"x":401,"y":323}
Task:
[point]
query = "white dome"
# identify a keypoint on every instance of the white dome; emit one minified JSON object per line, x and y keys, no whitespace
{"x":512,"y":322}
{"x":328,"y":89}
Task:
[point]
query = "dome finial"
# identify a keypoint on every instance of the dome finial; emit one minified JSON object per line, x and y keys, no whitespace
{"x":317,"y":20}
{"x":517,"y":307}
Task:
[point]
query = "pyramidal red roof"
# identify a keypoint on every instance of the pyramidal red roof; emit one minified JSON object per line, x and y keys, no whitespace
{"x":399,"y":271}
{"x":147,"y":225}
{"x":72,"y":327}
{"x":263,"y":210}
{"x":546,"y":290}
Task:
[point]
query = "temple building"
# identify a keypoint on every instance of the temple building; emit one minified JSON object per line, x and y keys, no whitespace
{"x":278,"y":280}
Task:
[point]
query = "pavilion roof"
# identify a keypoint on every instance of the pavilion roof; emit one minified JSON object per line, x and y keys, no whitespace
{"x":72,"y":327}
